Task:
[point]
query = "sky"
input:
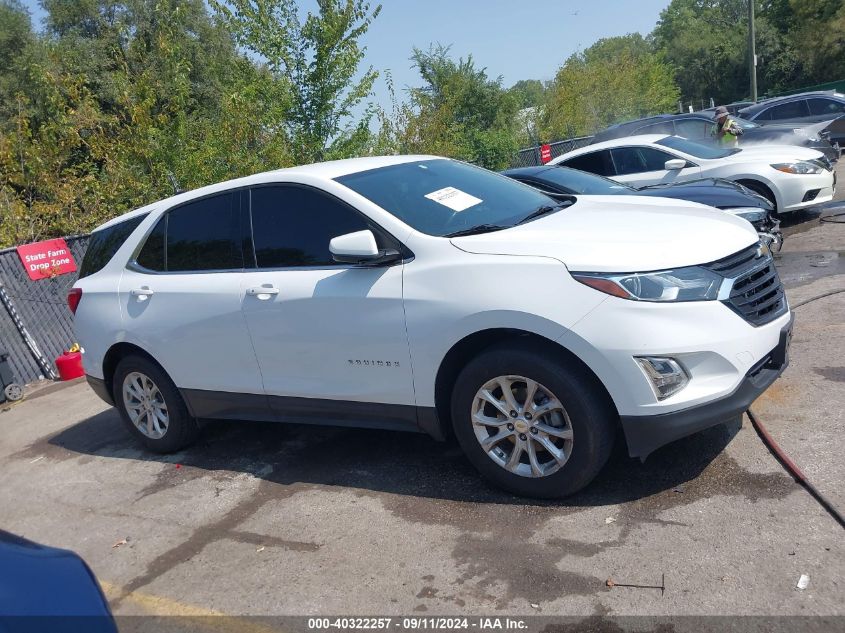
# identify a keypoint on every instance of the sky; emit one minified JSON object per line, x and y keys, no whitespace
{"x":517,"y":39}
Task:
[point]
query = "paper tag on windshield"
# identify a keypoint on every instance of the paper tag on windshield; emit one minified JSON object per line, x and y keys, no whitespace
{"x":455,"y":199}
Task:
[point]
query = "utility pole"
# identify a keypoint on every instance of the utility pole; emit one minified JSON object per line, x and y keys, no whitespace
{"x":752,"y":51}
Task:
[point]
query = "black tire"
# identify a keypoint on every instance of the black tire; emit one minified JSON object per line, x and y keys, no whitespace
{"x":592,"y":416}
{"x":182,"y":429}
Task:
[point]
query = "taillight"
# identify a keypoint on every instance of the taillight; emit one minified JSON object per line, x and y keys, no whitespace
{"x":74,"y":295}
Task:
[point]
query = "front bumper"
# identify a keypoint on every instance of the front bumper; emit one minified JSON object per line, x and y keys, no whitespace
{"x":644,"y":434}
{"x":794,"y":189}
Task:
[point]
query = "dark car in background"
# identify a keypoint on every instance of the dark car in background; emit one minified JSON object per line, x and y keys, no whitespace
{"x":697,"y":126}
{"x":802,"y":109}
{"x":715,"y":192}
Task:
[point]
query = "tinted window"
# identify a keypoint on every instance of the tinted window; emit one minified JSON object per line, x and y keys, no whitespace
{"x":636,"y":160}
{"x":792,"y":110}
{"x":594,"y":162}
{"x":663,"y":127}
{"x":204,"y":235}
{"x":439,"y":197}
{"x":292,"y":226}
{"x":152,"y":253}
{"x":826,"y":106}
{"x":693,"y":128}
{"x":103,"y":244}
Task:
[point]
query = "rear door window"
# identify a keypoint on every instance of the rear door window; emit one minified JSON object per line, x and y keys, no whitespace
{"x":662,"y":127}
{"x":791,"y":110}
{"x":198,"y":236}
{"x":103,"y":244}
{"x":204,"y":235}
{"x":594,"y":162}
{"x":694,"y":129}
{"x":637,"y":160}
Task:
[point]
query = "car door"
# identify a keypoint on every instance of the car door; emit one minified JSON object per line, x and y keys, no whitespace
{"x":180,"y":301}
{"x":640,"y":166}
{"x":330,"y":338}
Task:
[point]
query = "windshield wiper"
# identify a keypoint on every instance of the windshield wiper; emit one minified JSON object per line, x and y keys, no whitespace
{"x":544,"y":210}
{"x":479,"y":228}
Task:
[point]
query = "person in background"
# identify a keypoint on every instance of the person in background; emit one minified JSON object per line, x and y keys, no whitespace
{"x":725,"y":131}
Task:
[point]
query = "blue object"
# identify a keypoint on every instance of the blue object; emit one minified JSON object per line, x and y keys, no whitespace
{"x":48,"y":589}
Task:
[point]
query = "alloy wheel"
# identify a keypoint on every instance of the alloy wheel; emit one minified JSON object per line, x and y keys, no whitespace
{"x":522,"y":426}
{"x":145,"y":405}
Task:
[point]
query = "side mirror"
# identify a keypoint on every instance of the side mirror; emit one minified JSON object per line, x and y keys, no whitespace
{"x":360,"y":248}
{"x":675,"y":163}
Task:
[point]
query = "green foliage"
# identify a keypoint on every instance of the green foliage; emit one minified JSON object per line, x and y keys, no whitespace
{"x":459,"y":111}
{"x":799,"y":43}
{"x":615,"y":80}
{"x":706,"y":41}
{"x":317,"y":61}
{"x":529,"y":93}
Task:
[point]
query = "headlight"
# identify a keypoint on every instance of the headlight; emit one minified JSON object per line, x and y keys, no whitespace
{"x":681,"y":284}
{"x":800,"y":167}
{"x":752,"y":214}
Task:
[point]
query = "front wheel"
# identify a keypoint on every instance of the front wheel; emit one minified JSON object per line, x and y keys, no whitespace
{"x":530,"y":422}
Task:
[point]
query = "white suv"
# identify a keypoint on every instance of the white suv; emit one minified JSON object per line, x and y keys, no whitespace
{"x":423,"y":294}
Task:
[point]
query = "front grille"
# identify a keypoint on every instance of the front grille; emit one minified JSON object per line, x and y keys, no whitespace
{"x":756,"y":293}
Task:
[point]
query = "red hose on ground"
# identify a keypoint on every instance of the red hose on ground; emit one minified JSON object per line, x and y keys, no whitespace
{"x":793,"y":469}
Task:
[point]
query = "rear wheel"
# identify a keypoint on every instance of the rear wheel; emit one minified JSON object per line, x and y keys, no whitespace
{"x":531,"y":424}
{"x":151,"y":406}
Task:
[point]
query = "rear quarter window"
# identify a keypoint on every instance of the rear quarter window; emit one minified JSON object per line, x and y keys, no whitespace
{"x":103,"y":244}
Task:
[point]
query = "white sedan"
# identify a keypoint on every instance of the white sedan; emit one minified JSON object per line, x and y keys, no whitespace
{"x":791,"y":177}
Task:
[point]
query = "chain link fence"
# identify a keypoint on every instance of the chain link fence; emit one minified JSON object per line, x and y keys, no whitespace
{"x":41,"y":307}
{"x":530,"y":157}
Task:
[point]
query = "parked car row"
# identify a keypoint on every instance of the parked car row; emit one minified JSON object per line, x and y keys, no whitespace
{"x":790,"y":177}
{"x":698,"y":127}
{"x":715,"y":192}
{"x":423,"y":294}
{"x":801,"y":109}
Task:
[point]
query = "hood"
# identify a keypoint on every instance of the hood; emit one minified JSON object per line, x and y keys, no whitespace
{"x":772,"y":153}
{"x":714,"y":192}
{"x":621,"y":234}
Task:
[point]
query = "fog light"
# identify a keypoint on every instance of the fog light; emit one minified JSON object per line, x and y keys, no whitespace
{"x":666,"y":375}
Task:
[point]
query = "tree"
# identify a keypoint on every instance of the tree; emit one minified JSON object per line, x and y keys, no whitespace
{"x":706,"y":42}
{"x":317,"y":60}
{"x":614,"y":80}
{"x":459,"y":111}
{"x":808,"y":39}
{"x":529,"y":93}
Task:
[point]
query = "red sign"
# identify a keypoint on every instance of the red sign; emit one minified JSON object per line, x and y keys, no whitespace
{"x":545,"y":153}
{"x":43,"y":260}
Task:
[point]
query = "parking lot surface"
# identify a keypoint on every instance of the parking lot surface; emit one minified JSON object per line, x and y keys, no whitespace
{"x":262,"y":519}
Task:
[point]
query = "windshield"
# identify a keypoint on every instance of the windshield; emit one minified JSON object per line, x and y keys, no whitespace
{"x":743,"y":123}
{"x":581,"y":182}
{"x":707,"y":152}
{"x":441,"y":197}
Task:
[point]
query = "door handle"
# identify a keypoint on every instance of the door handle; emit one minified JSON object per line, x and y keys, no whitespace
{"x":141,"y":294}
{"x":262,"y":292}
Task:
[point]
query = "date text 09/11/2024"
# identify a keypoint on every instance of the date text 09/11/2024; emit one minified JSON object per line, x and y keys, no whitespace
{"x":418,"y":623}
